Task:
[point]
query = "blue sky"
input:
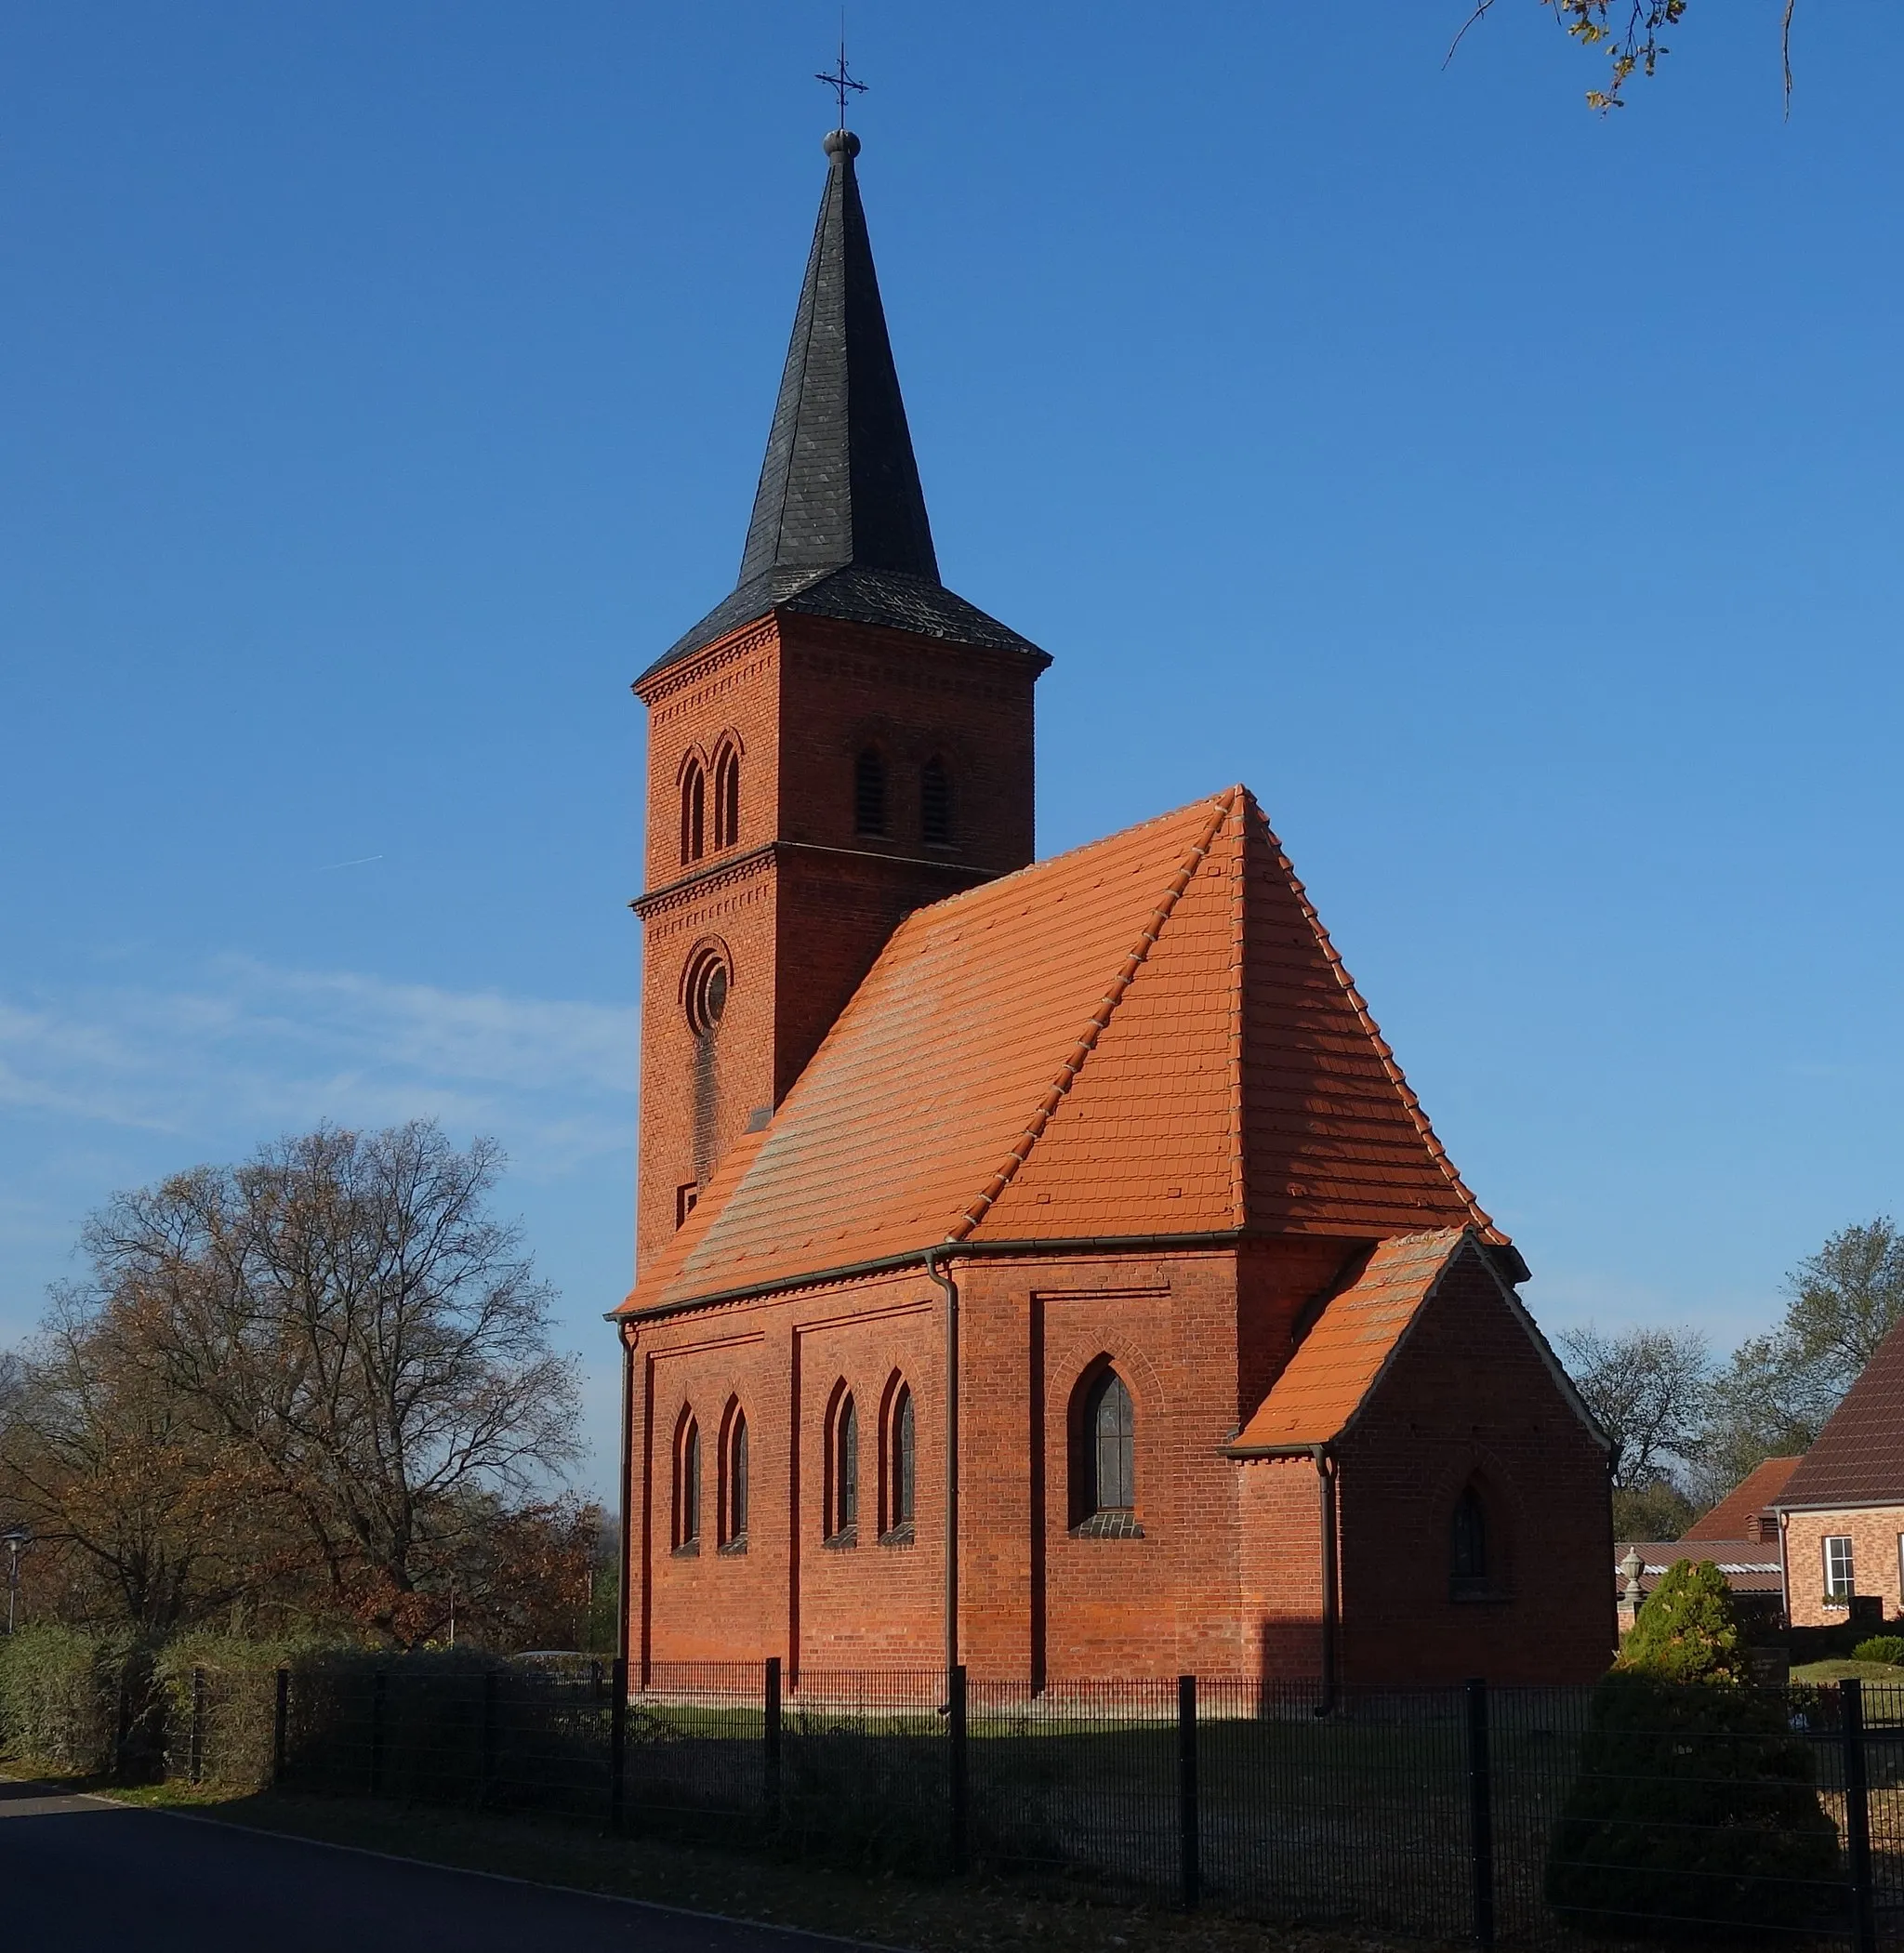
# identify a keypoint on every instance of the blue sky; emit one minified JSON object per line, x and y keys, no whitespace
{"x":1511,"y":496}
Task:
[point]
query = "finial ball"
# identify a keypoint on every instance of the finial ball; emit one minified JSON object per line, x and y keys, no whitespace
{"x":837,"y":139}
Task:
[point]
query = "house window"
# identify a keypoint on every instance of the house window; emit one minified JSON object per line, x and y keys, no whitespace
{"x":1467,"y":1547}
{"x":726,"y":797}
{"x":935,"y":804}
{"x":1839,"y":1583}
{"x":693,"y":813}
{"x":733,"y":1472}
{"x":1104,"y":1469}
{"x":869,"y":794}
{"x":899,"y":1468}
{"x":685,"y":1196}
{"x":687,"y":1485}
{"x":842,"y":1474}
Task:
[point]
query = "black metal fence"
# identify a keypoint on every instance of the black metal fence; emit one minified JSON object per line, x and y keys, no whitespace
{"x":1497,"y":1815}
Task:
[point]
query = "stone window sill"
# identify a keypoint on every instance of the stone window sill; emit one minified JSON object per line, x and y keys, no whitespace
{"x":688,"y":1549}
{"x":730,"y":1547}
{"x":901,"y":1535}
{"x":843,"y":1541}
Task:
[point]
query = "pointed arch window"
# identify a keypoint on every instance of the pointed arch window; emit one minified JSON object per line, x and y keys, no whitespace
{"x":687,"y":1485}
{"x":693,"y":813}
{"x":1104,"y":1458}
{"x":935,"y":822}
{"x":1467,"y":1547}
{"x":898,"y":1467}
{"x":842,"y":1472}
{"x":869,"y":793}
{"x":726,"y":795}
{"x":734,"y":1483}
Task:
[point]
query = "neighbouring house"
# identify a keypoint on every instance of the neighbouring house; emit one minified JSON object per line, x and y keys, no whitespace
{"x":1740,"y":1536}
{"x":1842,"y":1510}
{"x":1750,"y":1511}
{"x":1044,"y":1267}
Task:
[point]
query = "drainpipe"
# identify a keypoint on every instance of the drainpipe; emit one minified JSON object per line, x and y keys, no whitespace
{"x":622,"y":1624}
{"x":951,"y":1289}
{"x":1325,"y":1480}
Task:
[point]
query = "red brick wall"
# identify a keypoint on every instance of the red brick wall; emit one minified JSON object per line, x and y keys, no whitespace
{"x":1468,"y":1399}
{"x":1226,"y":1578}
{"x":1874,"y":1531}
{"x":799,"y":904}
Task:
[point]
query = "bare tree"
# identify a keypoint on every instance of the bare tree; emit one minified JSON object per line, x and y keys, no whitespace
{"x":1646,"y":1388}
{"x":342,"y":1310}
{"x":140,"y":1516}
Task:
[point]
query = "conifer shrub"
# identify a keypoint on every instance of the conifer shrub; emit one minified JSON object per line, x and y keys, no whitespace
{"x":1886,"y":1648}
{"x":1694,"y":1812}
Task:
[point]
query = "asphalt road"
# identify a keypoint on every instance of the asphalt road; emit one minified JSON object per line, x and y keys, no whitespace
{"x":84,"y":1875}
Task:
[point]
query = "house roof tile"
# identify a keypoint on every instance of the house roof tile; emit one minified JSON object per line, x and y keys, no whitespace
{"x":1857,"y":1458}
{"x":1732,"y":1517}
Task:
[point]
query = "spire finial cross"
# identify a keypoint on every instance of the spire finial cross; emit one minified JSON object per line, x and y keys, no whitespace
{"x":839,"y":81}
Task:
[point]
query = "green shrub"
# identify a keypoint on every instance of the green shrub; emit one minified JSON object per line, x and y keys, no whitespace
{"x":1689,"y":1630}
{"x":1695,"y":1810}
{"x":60,"y":1697}
{"x":235,"y":1709}
{"x":1886,"y":1648}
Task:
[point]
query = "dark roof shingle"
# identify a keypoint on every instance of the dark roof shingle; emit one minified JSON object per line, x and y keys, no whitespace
{"x":1858,"y":1457}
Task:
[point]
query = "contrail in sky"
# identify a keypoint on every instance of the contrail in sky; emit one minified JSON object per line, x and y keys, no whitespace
{"x":357,"y":863}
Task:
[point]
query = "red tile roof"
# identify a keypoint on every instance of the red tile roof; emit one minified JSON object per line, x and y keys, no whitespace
{"x":1335,"y":1366}
{"x":1151,"y":1035}
{"x":1857,"y":1458}
{"x":1732,"y":1518}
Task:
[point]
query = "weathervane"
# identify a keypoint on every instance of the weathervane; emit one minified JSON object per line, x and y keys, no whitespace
{"x":839,"y":81}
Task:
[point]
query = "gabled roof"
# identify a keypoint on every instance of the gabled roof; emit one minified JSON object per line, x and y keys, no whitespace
{"x":1732,"y":1517}
{"x":1857,"y":1458}
{"x":1335,"y":1366}
{"x":1151,"y":1036}
{"x":839,"y":526}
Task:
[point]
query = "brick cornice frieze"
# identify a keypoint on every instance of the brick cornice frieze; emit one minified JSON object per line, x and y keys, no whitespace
{"x":745,"y":866}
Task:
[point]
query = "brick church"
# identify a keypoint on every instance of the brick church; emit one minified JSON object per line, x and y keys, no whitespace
{"x":1043,"y":1265}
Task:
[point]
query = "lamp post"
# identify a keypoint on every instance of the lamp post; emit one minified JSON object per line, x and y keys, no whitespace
{"x":15,"y":1538}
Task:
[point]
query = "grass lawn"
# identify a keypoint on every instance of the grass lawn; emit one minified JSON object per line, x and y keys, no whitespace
{"x":1848,"y":1671}
{"x":970,"y":1915}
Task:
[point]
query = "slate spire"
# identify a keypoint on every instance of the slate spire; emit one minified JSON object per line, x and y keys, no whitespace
{"x":839,"y":485}
{"x":839,"y":526}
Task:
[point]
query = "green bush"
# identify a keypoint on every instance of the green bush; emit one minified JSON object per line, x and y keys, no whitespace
{"x":59,"y":1693}
{"x":1695,"y":1812}
{"x":235,"y":1706}
{"x":1886,"y":1648}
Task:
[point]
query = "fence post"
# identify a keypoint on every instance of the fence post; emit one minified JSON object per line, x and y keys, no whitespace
{"x":1864,"y":1930}
{"x":769,"y":1738}
{"x":1190,"y":1855}
{"x":485,"y":1780}
{"x":1480,"y":1814}
{"x":955,"y":1730}
{"x":617,"y":1742}
{"x":378,"y":1684}
{"x":197,"y":1749}
{"x":281,"y":1729}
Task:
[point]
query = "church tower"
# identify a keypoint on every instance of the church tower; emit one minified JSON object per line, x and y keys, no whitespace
{"x":837,"y":742}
